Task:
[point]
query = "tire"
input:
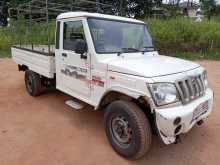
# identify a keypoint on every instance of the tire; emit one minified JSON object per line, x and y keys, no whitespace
{"x":33,"y":83}
{"x":124,"y":117}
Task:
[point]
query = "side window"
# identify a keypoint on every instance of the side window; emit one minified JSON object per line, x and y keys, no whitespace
{"x":58,"y":35}
{"x":73,"y":31}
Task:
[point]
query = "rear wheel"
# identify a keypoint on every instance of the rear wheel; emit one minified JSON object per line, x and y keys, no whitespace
{"x":33,"y":83}
{"x":128,"y":129}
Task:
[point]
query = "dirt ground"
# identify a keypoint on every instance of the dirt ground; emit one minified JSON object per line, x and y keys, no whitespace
{"x":45,"y":131}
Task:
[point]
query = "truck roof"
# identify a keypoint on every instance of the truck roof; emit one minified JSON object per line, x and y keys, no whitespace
{"x":95,"y":15}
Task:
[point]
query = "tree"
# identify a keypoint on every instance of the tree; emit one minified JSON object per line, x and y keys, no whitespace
{"x":134,"y":8}
{"x":210,"y":7}
{"x":131,"y":8}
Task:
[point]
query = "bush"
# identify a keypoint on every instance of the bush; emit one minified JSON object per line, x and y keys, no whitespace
{"x":181,"y":37}
{"x":20,"y":33}
{"x":184,"y":35}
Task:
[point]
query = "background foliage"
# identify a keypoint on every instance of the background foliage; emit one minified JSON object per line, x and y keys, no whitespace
{"x":175,"y":36}
{"x":184,"y":35}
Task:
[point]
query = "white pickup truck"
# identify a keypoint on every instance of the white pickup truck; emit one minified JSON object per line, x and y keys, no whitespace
{"x":110,"y":63}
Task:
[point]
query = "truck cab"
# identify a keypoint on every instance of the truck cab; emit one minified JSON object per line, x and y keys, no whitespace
{"x":111,"y":63}
{"x":107,"y":42}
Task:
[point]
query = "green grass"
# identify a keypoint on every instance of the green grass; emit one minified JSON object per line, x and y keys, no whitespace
{"x":183,"y":35}
{"x":5,"y":54}
{"x":178,"y":37}
{"x":19,"y":33}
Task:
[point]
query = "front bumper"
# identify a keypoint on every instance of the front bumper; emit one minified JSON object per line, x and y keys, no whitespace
{"x":165,"y":117}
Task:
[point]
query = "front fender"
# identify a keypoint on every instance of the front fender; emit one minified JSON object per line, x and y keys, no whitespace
{"x":124,"y":91}
{"x":127,"y":91}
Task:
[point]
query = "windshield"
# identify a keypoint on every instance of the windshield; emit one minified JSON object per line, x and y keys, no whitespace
{"x":119,"y":37}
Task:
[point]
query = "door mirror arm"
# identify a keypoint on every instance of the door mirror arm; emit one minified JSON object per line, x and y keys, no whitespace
{"x":83,"y":56}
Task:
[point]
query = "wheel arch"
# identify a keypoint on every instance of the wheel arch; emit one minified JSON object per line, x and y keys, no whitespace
{"x":117,"y":93}
{"x":143,"y":101}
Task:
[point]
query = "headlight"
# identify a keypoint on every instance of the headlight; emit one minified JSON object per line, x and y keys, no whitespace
{"x":205,"y":78}
{"x":164,"y":93}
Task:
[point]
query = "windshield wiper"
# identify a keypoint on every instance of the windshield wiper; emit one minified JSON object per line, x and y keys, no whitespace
{"x":128,"y":50}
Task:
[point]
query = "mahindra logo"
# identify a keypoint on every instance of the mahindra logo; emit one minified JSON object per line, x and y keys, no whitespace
{"x":193,"y":80}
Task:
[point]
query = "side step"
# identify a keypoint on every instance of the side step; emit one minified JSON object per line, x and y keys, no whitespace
{"x":74,"y":104}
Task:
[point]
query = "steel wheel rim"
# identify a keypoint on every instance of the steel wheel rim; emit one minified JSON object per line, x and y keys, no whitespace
{"x":121,"y":131}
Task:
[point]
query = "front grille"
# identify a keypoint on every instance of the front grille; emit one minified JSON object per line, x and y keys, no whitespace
{"x":191,"y":88}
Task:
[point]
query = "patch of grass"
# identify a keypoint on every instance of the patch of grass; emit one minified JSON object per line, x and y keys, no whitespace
{"x":179,"y":37}
{"x":185,"y":35}
{"x":5,"y":54}
{"x":20,"y":33}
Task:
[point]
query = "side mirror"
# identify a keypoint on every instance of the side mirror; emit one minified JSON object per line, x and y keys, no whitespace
{"x":81,"y":48}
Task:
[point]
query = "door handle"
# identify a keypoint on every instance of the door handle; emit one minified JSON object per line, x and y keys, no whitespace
{"x":64,"y":54}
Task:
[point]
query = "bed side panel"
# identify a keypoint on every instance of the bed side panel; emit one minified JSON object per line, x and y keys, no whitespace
{"x":39,"y":63}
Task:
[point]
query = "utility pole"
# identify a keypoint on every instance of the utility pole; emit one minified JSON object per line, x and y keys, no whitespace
{"x":30,"y":24}
{"x":48,"y":26}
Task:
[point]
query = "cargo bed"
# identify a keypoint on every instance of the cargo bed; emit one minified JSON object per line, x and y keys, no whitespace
{"x":36,"y":58}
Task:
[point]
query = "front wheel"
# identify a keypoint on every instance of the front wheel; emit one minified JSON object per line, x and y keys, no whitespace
{"x":128,"y":129}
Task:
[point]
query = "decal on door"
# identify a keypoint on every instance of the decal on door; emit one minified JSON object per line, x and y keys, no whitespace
{"x":96,"y":80}
{"x":75,"y":72}
{"x":80,"y":74}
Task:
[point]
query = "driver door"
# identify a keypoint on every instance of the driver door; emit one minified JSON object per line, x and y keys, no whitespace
{"x":73,"y":71}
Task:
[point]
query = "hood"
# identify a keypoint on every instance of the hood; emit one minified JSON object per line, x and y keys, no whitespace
{"x":150,"y":66}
